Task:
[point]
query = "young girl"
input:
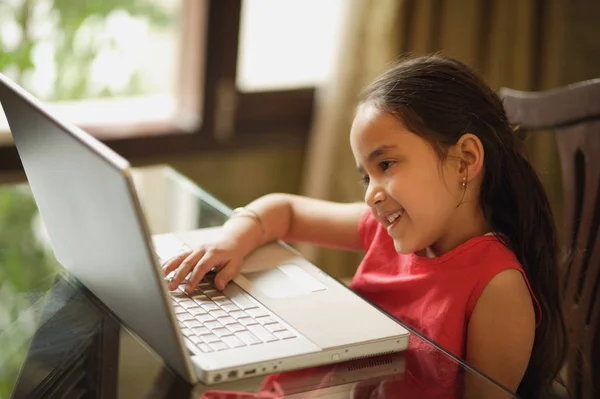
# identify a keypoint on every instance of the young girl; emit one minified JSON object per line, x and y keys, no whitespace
{"x":458,"y":233}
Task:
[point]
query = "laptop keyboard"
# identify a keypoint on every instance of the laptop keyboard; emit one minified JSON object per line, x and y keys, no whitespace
{"x":220,"y":320}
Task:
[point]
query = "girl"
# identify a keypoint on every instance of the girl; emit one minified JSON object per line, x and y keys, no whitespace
{"x":458,"y":233}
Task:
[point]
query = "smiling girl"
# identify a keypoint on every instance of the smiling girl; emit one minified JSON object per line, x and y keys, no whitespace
{"x":457,"y":231}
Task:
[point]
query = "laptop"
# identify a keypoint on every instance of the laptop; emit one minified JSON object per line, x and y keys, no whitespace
{"x":345,"y":380}
{"x":281,"y":313}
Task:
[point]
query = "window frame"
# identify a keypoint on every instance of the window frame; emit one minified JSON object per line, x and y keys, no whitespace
{"x":213,"y":114}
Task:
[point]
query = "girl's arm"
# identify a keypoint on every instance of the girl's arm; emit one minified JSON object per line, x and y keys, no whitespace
{"x":294,"y":218}
{"x":273,"y":217}
{"x":500,"y":335}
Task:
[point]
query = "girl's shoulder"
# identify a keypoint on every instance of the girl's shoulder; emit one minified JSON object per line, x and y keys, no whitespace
{"x":487,"y":249}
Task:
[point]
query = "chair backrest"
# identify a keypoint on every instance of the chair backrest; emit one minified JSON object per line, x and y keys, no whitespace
{"x":573,"y":113}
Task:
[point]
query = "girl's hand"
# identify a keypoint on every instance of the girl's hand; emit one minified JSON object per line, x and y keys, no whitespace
{"x":221,"y":254}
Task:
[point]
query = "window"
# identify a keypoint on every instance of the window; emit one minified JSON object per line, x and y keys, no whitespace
{"x":94,"y":63}
{"x":153,"y":77}
{"x":287,"y":44}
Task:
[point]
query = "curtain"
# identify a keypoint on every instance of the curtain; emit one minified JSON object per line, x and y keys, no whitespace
{"x":510,"y":43}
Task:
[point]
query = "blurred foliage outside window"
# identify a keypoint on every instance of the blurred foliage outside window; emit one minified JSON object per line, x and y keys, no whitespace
{"x":68,"y":50}
{"x":80,"y":49}
{"x":65,"y":51}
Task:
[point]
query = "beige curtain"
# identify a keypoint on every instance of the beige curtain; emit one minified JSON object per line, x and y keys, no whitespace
{"x":512,"y":43}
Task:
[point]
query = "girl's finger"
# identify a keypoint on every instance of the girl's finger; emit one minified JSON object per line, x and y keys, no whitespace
{"x":227,"y":273}
{"x":203,"y":266}
{"x":174,"y":262}
{"x":186,"y":267}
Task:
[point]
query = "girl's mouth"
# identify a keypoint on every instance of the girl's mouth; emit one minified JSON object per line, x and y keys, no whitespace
{"x":394,"y":219}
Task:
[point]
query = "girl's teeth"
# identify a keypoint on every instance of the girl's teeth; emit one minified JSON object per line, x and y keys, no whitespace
{"x":394,"y":216}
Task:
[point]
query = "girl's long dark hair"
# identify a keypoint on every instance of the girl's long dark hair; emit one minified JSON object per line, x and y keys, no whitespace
{"x":441,"y":99}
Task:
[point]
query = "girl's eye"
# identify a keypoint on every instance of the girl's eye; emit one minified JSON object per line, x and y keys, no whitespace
{"x":384,"y":165}
{"x":365,"y":180}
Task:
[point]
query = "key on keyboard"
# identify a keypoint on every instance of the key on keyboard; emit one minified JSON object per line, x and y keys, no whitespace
{"x":219,"y":320}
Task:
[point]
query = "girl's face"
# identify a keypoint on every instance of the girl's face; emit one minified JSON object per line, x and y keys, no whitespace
{"x":409,"y":190}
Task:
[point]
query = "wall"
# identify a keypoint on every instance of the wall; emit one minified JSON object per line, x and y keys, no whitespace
{"x":235,"y":178}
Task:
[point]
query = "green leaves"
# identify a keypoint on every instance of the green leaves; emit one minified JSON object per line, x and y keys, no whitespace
{"x":26,"y":268}
{"x":73,"y":65}
{"x":24,"y":262}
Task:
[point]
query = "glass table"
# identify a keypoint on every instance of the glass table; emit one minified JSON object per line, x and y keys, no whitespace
{"x":58,"y":341}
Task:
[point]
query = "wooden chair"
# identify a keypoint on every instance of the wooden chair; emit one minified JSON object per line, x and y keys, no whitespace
{"x":573,"y":114}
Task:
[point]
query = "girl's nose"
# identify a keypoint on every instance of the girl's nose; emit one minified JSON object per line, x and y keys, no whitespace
{"x":374,"y":196}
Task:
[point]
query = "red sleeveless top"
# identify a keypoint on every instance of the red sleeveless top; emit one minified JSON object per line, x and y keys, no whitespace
{"x":436,"y":296}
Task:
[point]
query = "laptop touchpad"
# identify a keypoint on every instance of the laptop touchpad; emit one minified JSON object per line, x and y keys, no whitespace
{"x":284,"y":281}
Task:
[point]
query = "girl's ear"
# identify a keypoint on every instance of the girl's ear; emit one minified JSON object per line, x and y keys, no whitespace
{"x":470,"y":150}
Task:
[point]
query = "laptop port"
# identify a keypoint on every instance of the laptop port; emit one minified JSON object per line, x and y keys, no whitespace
{"x":217,"y":378}
{"x":250,"y":372}
{"x":232,"y":374}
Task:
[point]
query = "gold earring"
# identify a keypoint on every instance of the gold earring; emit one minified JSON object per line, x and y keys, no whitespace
{"x":463,"y":186}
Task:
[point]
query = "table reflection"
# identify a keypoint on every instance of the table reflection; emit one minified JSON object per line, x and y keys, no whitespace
{"x":75,"y":347}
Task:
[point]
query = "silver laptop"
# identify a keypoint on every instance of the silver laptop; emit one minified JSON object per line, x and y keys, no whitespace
{"x":281,"y":313}
{"x":341,"y":381}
